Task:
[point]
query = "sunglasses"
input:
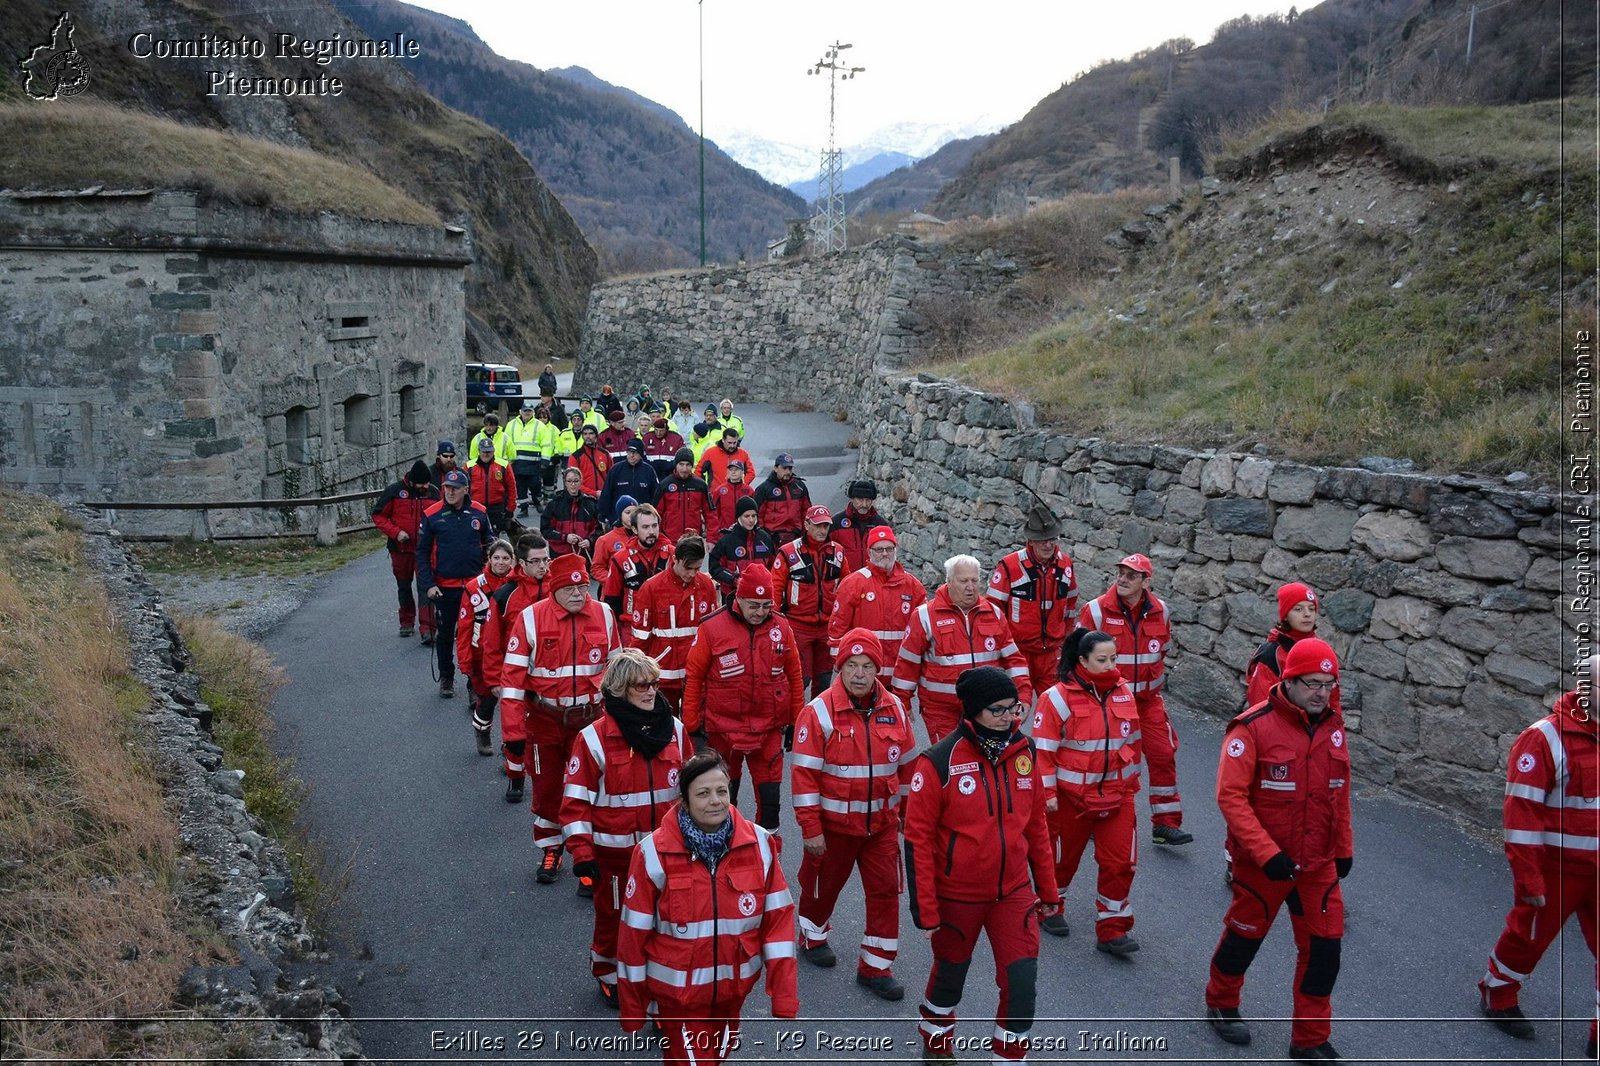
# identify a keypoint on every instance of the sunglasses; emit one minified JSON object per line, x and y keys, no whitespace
{"x":643,"y":686}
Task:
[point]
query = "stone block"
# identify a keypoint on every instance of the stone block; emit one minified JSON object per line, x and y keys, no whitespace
{"x":1135,"y":538}
{"x":1540,"y":637}
{"x":207,"y":448}
{"x":1211,"y":545}
{"x":1372,"y":657}
{"x":1279,"y":563}
{"x":1326,"y":571}
{"x":1214,"y":615}
{"x":1468,"y":515}
{"x":181,"y":342}
{"x":1491,"y":560}
{"x":1404,"y":616}
{"x":1182,"y":612}
{"x":1433,"y":662}
{"x":1387,"y":717}
{"x":1190,"y":476}
{"x":1250,"y":549}
{"x":1437,"y":586}
{"x":1251,"y":612}
{"x":1474,"y":630}
{"x":1250,"y":477}
{"x":1323,"y":526}
{"x":1498,"y":711}
{"x":1348,"y":609}
{"x":185,"y":264}
{"x":1476,"y":797}
{"x":1291,"y":483}
{"x":1199,"y":582}
{"x":1451,"y":738}
{"x":190,"y":428}
{"x":1520,"y":673}
{"x":1371,"y":762}
{"x":1185,"y":504}
{"x":1388,"y":535}
{"x":1193,"y":639}
{"x":204,"y":407}
{"x":198,"y":322}
{"x":1111,"y":498}
{"x":1250,"y":517}
{"x":1147,"y":504}
{"x":1507,"y":598}
{"x":1216,"y":476}
{"x":1544,"y":575}
{"x":180,"y":301}
{"x":1203,"y":686}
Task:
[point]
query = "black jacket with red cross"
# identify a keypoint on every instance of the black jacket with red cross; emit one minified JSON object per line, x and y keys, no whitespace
{"x":975,"y":831}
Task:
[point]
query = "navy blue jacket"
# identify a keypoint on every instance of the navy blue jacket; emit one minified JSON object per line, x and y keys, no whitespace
{"x":625,"y":479}
{"x":452,"y":544}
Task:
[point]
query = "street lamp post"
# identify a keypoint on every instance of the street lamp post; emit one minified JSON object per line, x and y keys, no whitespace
{"x":701,"y":4}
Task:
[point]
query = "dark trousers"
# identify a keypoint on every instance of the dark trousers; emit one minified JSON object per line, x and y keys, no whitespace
{"x":530,"y":479}
{"x":404,"y":566}
{"x":444,"y":627}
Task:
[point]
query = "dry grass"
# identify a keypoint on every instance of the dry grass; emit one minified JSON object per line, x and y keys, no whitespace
{"x":90,"y":868}
{"x":71,"y":145}
{"x":285,"y":557}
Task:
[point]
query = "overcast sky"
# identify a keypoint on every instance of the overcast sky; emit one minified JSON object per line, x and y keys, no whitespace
{"x":928,"y":61}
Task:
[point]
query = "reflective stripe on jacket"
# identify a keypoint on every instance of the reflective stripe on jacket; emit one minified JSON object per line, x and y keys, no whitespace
{"x":612,"y":796}
{"x":942,"y":640}
{"x":1141,"y":635}
{"x":1037,"y":599}
{"x":879,"y":602}
{"x":850,"y":767}
{"x":1088,"y":742}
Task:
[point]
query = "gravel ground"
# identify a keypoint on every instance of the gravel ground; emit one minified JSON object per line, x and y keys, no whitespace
{"x":250,"y":606}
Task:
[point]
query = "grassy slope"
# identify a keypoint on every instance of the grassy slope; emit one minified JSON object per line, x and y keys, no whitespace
{"x":1458,"y":368}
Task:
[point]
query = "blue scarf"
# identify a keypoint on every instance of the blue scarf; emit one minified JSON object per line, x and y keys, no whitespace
{"x":709,"y":846}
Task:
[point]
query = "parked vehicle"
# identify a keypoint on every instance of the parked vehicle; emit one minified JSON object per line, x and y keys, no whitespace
{"x":493,"y":385}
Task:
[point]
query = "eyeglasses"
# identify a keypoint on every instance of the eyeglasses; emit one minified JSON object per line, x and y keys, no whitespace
{"x":643,"y":686}
{"x":1317,"y":686}
{"x":541,"y":561}
{"x":890,"y":550}
{"x":1014,"y":709}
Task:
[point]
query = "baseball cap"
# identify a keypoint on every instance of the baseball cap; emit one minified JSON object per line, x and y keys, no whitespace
{"x":636,"y":445}
{"x":784,"y":459}
{"x":1138,"y":563}
{"x":528,"y":405}
{"x":455,"y":479}
{"x":820,"y":515}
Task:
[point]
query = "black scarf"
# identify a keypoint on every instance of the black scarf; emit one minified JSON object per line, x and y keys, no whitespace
{"x":992,"y":742}
{"x":647,"y":732}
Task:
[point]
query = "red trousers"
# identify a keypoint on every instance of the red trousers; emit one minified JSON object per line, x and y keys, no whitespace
{"x":1012,"y":924}
{"x":1116,"y":853}
{"x":699,"y":1041}
{"x":940,"y":714}
{"x":404,"y":566}
{"x":1042,"y":667}
{"x":1530,"y":930}
{"x":766,"y":769}
{"x":1161,"y":759}
{"x":1316,"y":909}
{"x":815,"y":662}
{"x":548,"y":745}
{"x":823,"y":876}
{"x":608,"y":889}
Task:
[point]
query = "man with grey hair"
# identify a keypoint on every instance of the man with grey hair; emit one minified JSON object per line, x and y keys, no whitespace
{"x":955,"y":631}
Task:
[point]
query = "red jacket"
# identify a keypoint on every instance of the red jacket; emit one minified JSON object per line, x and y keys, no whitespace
{"x":1088,"y":741}
{"x":713,"y":465}
{"x":566,"y":513}
{"x":661,"y":447}
{"x":807,"y":575}
{"x":684,"y":504}
{"x":743,"y":681}
{"x":1142,"y":638}
{"x":399,"y":510}
{"x":612,"y":796}
{"x":507,"y":602}
{"x":631,"y":566}
{"x":554,"y":661}
{"x":1266,"y":667}
{"x":724,"y":506}
{"x":851,"y":765}
{"x":667,"y":613}
{"x":975,"y":830}
{"x":1283,"y":784}
{"x":941,"y":641}
{"x":594,"y":464}
{"x":783,"y":506}
{"x":693,"y":941}
{"x":879,"y":602}
{"x":492,"y":484}
{"x":606,"y":547}
{"x":850,"y":533}
{"x":614,"y":442}
{"x":1040,"y":601}
{"x":475,"y":606}
{"x":1552,"y":804}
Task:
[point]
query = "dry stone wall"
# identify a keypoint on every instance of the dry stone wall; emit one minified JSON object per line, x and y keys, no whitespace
{"x":1442,"y":595}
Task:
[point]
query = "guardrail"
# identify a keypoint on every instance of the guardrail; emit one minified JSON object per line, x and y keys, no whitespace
{"x":326,"y":528}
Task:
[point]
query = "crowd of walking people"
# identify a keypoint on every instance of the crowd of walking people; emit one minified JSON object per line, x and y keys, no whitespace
{"x":660,"y":628}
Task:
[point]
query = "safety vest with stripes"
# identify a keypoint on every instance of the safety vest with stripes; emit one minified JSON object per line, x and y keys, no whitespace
{"x":1552,"y":802}
{"x":1142,"y":636}
{"x":943,"y":640}
{"x":667,"y":613}
{"x":850,"y":765}
{"x":612,"y":796}
{"x":1088,"y":743}
{"x":554,"y":660}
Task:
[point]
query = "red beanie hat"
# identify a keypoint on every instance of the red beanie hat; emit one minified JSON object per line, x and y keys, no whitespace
{"x":755,"y":583}
{"x":568,"y":570}
{"x":1310,"y":656}
{"x":859,"y":641}
{"x":880,"y":535}
{"x":1292,"y":593}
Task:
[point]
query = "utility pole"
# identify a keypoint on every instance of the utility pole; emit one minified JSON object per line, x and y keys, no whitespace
{"x":1472,"y":23}
{"x":828,"y":224}
{"x":701,"y":4}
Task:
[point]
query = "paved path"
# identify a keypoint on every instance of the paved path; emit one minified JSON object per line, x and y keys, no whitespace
{"x":442,"y":923}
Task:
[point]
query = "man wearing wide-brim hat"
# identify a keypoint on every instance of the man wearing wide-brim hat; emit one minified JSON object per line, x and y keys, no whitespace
{"x":1037,"y":591}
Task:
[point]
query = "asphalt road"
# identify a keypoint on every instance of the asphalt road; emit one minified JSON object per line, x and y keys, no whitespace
{"x":449,"y":952}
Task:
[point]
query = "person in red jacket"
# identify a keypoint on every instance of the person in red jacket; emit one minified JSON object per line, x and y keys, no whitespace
{"x":851,"y":525}
{"x":683,"y":500}
{"x":1283,"y":783}
{"x":1297,"y":618}
{"x":742,"y":688}
{"x":784,"y":500}
{"x":621,"y":780}
{"x":956,"y":629}
{"x":613,"y":440}
{"x":852,"y":747}
{"x":706,"y":911}
{"x":550,"y":689}
{"x":529,"y":585}
{"x":591,"y":462}
{"x":1036,"y":589}
{"x":743,"y":545}
{"x":1142,"y":628}
{"x":1086,"y":728}
{"x":470,"y":621}
{"x":807,"y":571}
{"x":398,"y":514}
{"x":879,"y":598}
{"x":571,"y":520}
{"x":725,"y":500}
{"x":714,"y":462}
{"x":977,"y":859}
{"x":1552,"y":840}
{"x":661,"y":445}
{"x":611,"y":541}
{"x":642,"y":557}
{"x":667,"y":613}
{"x":493,"y":485}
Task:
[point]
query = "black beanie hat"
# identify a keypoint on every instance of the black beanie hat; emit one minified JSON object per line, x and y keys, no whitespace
{"x":420,"y":474}
{"x":981,"y":687}
{"x":746,"y":503}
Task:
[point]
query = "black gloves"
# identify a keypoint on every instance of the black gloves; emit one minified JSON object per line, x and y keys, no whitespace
{"x":1280,"y":867}
{"x":1343,"y":866}
{"x":701,"y":742}
{"x":788,"y":738}
{"x":589,"y":869}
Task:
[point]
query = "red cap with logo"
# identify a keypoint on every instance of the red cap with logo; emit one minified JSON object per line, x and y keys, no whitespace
{"x":1139,"y":564}
{"x":1293,"y":593}
{"x":880,"y":535}
{"x":1311,"y":656}
{"x":755,"y":583}
{"x":820,"y":515}
{"x":568,"y":570}
{"x":859,"y":641}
